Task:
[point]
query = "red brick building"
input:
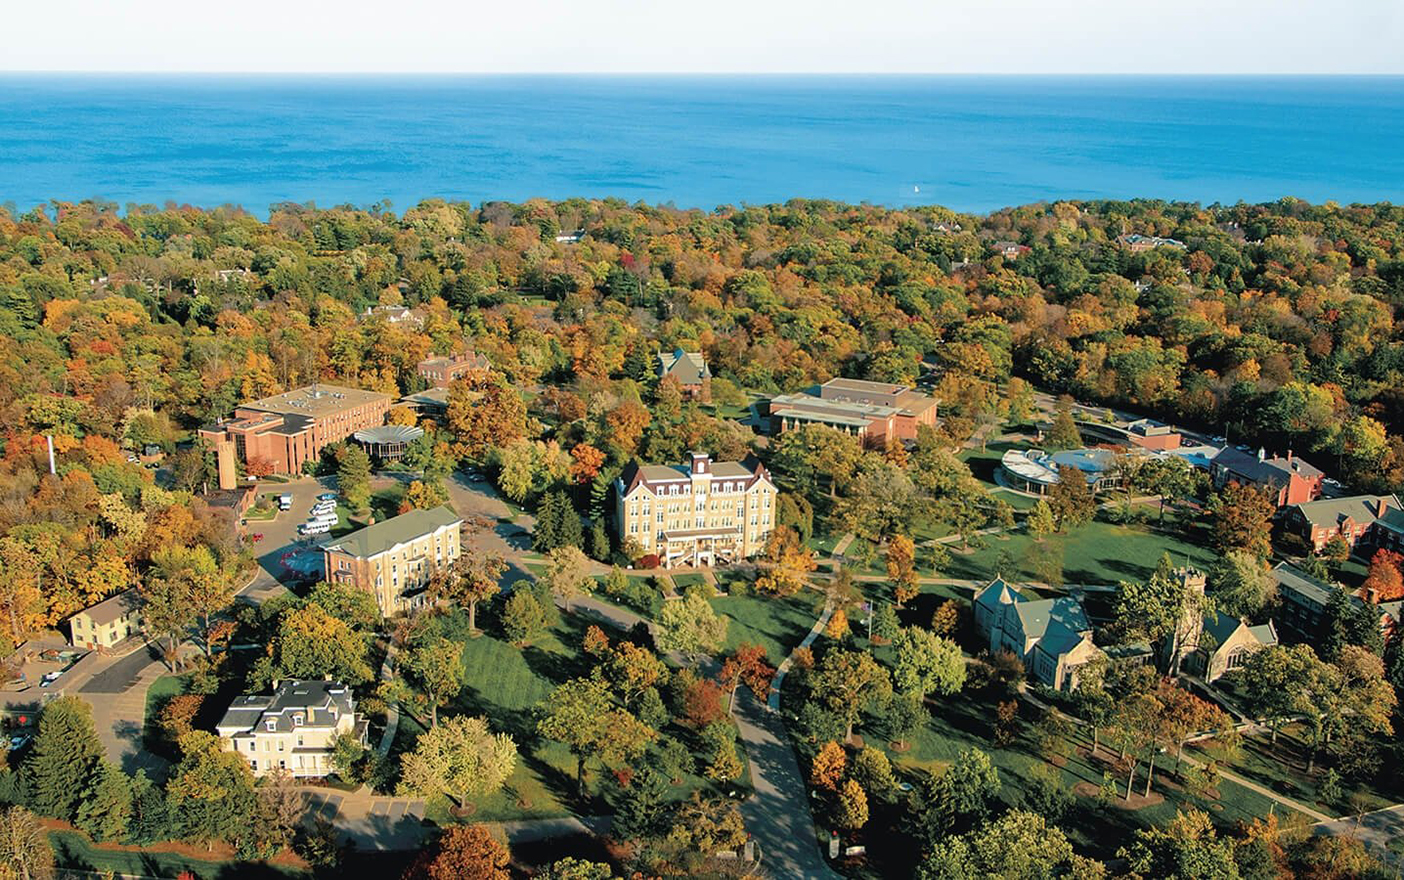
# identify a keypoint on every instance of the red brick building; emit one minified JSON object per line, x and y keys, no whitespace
{"x":440,"y":371}
{"x":1287,"y":480}
{"x":285,"y":430}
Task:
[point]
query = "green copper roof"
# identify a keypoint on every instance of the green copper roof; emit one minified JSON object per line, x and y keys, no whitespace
{"x":376,"y":539}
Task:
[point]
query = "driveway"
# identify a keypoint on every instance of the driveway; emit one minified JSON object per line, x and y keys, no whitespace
{"x":369,"y":821}
{"x":280,"y":534}
{"x":117,"y":696}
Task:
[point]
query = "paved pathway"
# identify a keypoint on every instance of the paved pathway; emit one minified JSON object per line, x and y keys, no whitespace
{"x":842,"y":544}
{"x":1376,"y":830}
{"x":778,"y":814}
{"x":369,"y":821}
{"x":118,"y":698}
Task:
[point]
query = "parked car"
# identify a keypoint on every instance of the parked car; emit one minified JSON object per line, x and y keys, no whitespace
{"x":20,"y":740}
{"x":314,"y":528}
{"x":330,"y":519}
{"x":327,"y":496}
{"x":285,"y":501}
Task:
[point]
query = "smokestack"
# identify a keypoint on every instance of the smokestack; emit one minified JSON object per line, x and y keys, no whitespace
{"x":52,"y":468}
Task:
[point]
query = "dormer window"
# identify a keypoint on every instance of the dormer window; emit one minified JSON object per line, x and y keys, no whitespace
{"x":271,"y":724}
{"x":297,"y":719}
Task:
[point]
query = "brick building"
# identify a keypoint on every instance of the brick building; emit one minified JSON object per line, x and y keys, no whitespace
{"x":878,"y":412}
{"x":1368,"y":520}
{"x":288,"y":429}
{"x":1287,"y":480}
{"x":440,"y":371}
{"x":690,"y":369}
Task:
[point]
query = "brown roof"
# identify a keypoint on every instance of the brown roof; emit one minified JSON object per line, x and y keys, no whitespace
{"x":114,"y":608}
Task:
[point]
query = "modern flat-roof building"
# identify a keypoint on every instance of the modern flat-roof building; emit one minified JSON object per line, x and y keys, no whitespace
{"x":393,"y":560}
{"x":698,"y":514}
{"x":291,"y":729}
{"x":879,"y":412}
{"x":439,"y":372}
{"x":1369,"y":520}
{"x":1035,"y":471}
{"x":1287,"y":480}
{"x":288,"y":429}
{"x":106,"y":623}
{"x":690,"y":369}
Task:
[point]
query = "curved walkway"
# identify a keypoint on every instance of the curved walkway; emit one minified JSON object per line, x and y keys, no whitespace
{"x":778,"y":814}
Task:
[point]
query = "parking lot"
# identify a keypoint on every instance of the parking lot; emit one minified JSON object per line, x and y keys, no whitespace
{"x":280,"y":533}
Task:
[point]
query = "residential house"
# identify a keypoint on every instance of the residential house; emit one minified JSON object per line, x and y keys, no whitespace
{"x":1287,"y":480}
{"x":106,"y":623}
{"x":293,"y":728}
{"x":1010,"y":250}
{"x":689,"y":368}
{"x":702,"y":513}
{"x":1141,"y":243}
{"x":1052,"y":637}
{"x":1375,"y":521}
{"x":394,"y":560}
{"x":286,"y":430}
{"x":395,"y":315}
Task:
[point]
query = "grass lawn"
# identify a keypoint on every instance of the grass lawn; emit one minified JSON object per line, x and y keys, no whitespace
{"x":1096,"y":829}
{"x":261,"y":514}
{"x":1097,"y":553}
{"x":75,"y":851}
{"x":1282,"y":768}
{"x":161,"y":690}
{"x":691,"y":579}
{"x":778,"y":625}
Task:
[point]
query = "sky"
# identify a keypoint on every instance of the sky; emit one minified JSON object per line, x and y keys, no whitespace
{"x":708,"y":36}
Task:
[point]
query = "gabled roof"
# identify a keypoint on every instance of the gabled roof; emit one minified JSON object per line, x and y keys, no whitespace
{"x":252,"y":712}
{"x":1065,"y":611}
{"x":376,"y":539}
{"x":113,"y":608}
{"x":1330,"y":512}
{"x":688,"y":367}
{"x":998,"y":593}
{"x":1261,"y":469}
{"x":1294,"y":580}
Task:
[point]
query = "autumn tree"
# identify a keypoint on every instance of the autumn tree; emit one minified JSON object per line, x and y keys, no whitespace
{"x":473,"y":577}
{"x":24,"y":846}
{"x":690,"y":626}
{"x":750,"y":666}
{"x":851,"y":806}
{"x":787,"y":563}
{"x":1383,"y":582}
{"x":827,"y":769}
{"x":353,"y":473}
{"x":484,"y":412}
{"x":309,"y":643}
{"x":463,"y":852}
{"x":1070,"y":499}
{"x":1040,"y":521}
{"x":1064,"y":433}
{"x":586,"y":462}
{"x":1240,"y":518}
{"x":901,"y":569}
{"x":926,"y":663}
{"x":568,"y":574}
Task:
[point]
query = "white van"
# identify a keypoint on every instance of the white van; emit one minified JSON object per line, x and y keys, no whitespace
{"x":324,"y":507}
{"x":314,"y":528}
{"x":330,"y":519}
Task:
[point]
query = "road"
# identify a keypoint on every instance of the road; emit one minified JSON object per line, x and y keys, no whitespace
{"x":1376,"y":830}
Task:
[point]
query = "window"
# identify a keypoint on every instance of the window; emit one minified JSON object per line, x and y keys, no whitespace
{"x":280,"y":745}
{"x":297,"y":719}
{"x":271,"y":724}
{"x":253,"y":765}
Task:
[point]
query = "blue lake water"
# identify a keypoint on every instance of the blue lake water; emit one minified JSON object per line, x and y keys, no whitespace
{"x":973,"y":143}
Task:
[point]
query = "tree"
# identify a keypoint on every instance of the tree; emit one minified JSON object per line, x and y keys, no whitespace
{"x":557,"y":524}
{"x":1384,"y":583}
{"x":1240,"y":518}
{"x":640,"y":806}
{"x":424,"y":495}
{"x":353,"y":472}
{"x":107,"y":809}
{"x":1064,"y":433}
{"x":1186,"y":847}
{"x":748,"y":665}
{"x":708,"y":825}
{"x":195,"y":581}
{"x":1271,"y":679}
{"x":65,"y":762}
{"x":1162,"y":606}
{"x":1242,"y":585}
{"x":460,"y":758}
{"x":690,"y":626}
{"x":581,"y":715}
{"x":827,"y":769}
{"x":1040,"y":521}
{"x":851,"y":807}
{"x":571,"y":868}
{"x":926,"y":663}
{"x":633,"y":670}
{"x":522,"y":617}
{"x":472,"y":578}
{"x":211,"y":792}
{"x":1170,"y":477}
{"x":848,"y":680}
{"x":310,"y":643}
{"x":463,"y":852}
{"x":902,"y":716}
{"x":1020,"y":845}
{"x":484,"y":412}
{"x":586,"y":462}
{"x":280,"y":805}
{"x":901,"y":568}
{"x":961,"y":797}
{"x":1020,"y":396}
{"x":786,"y":563}
{"x":1071,"y":499}
{"x":24,"y":846}
{"x":873,"y":771}
{"x":568,"y":573}
{"x":438,"y":668}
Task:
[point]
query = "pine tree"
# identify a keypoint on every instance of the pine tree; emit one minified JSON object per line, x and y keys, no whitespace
{"x":546,"y":535}
{"x":149,"y":821}
{"x":572,"y":532}
{"x":66,"y":759}
{"x":353,"y":477}
{"x":107,"y":810}
{"x":599,"y":541}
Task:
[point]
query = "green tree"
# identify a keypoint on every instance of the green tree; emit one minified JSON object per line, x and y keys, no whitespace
{"x":961,"y":797}
{"x":522,"y":617}
{"x":1020,"y":845}
{"x":846,"y":681}
{"x":926,"y":663}
{"x":472,"y":578}
{"x":1240,"y":518}
{"x":107,"y":809}
{"x":1187,"y":847}
{"x":1161,"y":607}
{"x":353,"y":472}
{"x":568,"y":574}
{"x":1040,"y":521}
{"x":1071,"y":498}
{"x":641,"y":807}
{"x":1170,"y":478}
{"x":460,"y":758}
{"x":1242,"y":585}
{"x":581,"y":715}
{"x":65,"y":762}
{"x":1064,"y":433}
{"x":438,"y":669}
{"x":211,"y":791}
{"x":690,"y":626}
{"x":309,"y":643}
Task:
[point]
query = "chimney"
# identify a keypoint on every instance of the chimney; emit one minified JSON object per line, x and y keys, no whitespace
{"x":1289,"y":455}
{"x":700,"y":461}
{"x":1381,"y":504}
{"x":1262,"y":453}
